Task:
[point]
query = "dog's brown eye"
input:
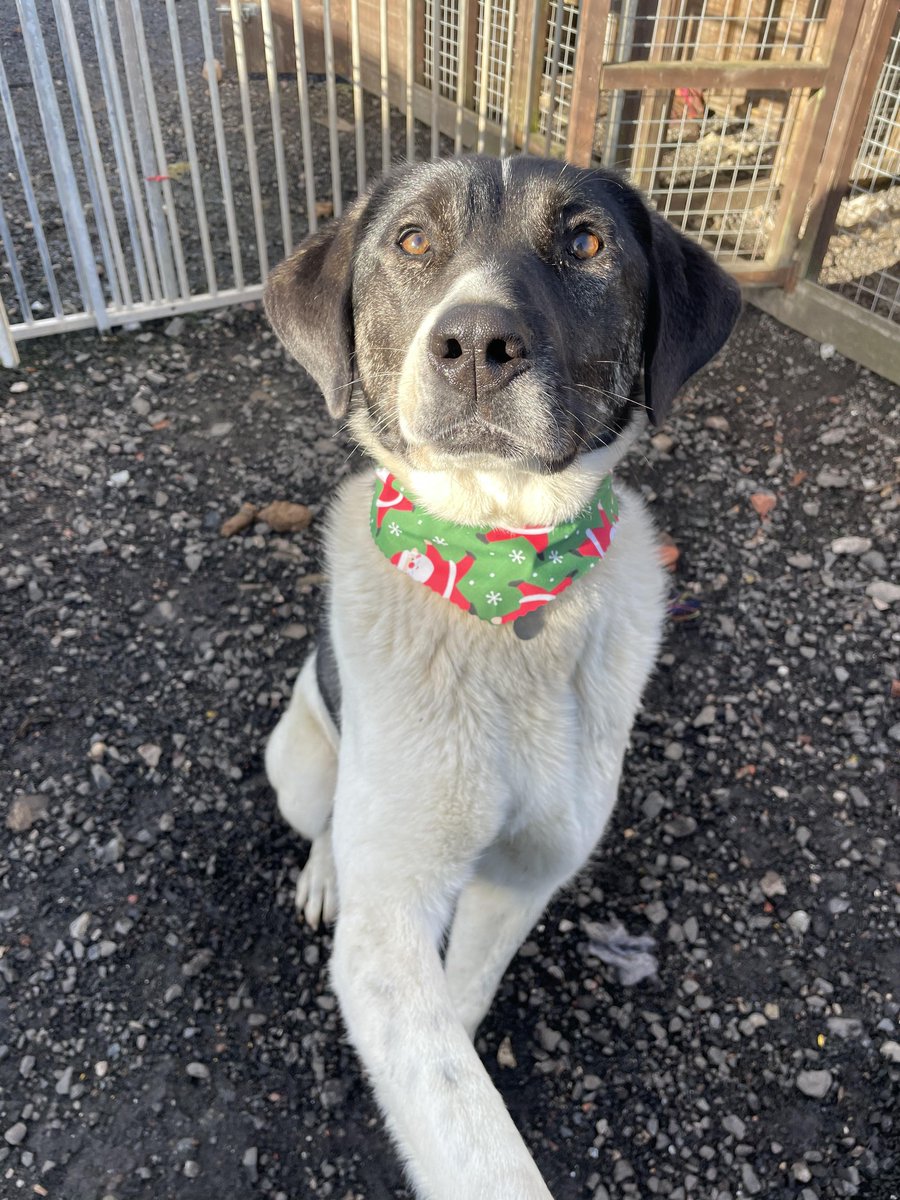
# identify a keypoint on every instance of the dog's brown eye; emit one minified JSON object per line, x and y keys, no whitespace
{"x":586,"y":244}
{"x":414,"y":242}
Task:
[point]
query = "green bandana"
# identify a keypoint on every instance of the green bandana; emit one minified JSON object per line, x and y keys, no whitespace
{"x":499,"y":575}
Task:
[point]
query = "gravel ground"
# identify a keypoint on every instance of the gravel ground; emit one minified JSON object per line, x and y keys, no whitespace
{"x":167,"y":1028}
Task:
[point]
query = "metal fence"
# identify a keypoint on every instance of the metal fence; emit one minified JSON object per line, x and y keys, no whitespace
{"x":161,"y":157}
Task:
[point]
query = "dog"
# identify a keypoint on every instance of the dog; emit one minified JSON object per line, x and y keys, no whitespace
{"x":495,"y":334}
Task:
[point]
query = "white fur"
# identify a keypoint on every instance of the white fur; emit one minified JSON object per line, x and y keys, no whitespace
{"x":474,"y":775}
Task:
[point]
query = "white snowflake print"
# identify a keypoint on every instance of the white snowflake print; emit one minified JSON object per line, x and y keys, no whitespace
{"x":439,"y":541}
{"x":394,"y":529}
{"x":493,"y":598}
{"x":517,"y":556}
{"x":555,"y":556}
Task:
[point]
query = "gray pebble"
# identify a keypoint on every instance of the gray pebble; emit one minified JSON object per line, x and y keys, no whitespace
{"x":814,"y":1083}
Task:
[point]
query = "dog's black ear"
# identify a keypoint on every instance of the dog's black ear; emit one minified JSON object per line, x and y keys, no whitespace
{"x":308,"y":302}
{"x":692,"y":307}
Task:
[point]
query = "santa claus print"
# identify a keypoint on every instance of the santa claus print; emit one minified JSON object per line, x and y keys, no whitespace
{"x":598,"y":539}
{"x":532,"y":597}
{"x":538,"y":536}
{"x":389,"y":499}
{"x":437,"y":573}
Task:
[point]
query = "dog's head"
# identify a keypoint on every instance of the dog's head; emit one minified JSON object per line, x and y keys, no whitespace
{"x":500,"y":313}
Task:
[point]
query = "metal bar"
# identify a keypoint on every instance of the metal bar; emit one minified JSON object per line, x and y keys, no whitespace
{"x":436,"y":28}
{"x":385,"y":85}
{"x":240,"y":57}
{"x":159,"y":147}
{"x":221,"y":148}
{"x":191,"y":147}
{"x":462,"y":74}
{"x":358,"y":111}
{"x":305,"y":130}
{"x":487,"y":21}
{"x":95,"y":172}
{"x":284,"y":204}
{"x":410,"y":79}
{"x":150,"y":166}
{"x":554,"y":73}
{"x":531,"y":79}
{"x":507,"y":82}
{"x":699,"y":73}
{"x":14,"y":268}
{"x":30,"y":200}
{"x":61,"y":163}
{"x":156,"y":311}
{"x":9,"y":355}
{"x":592,"y":24}
{"x":135,"y":217}
{"x":331,"y":93}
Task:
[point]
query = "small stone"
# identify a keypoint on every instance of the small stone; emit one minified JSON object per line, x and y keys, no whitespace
{"x":656,"y":912}
{"x":17,"y":1133}
{"x":674,"y":751}
{"x":814,"y":1083}
{"x":24,"y":811}
{"x":150,"y":753}
{"x":505,"y":1056}
{"x":752,"y":1186}
{"x":197,"y":1070}
{"x":119,"y":479}
{"x":733,"y":1124}
{"x":79,"y":927}
{"x":772,"y":885}
{"x":851,"y":545}
{"x":197,"y":963}
{"x":680,"y":826}
{"x":801,"y":1172}
{"x":706,"y":716}
{"x":719,"y":424}
{"x":891,"y":1051}
{"x":884,"y":592}
{"x":798,"y":922}
{"x":832,"y":437}
{"x":221,"y":429}
{"x":832,"y":479}
{"x":191,"y":1169}
{"x":827,"y":351}
{"x":19,"y":387}
{"x":176,"y":326}
{"x":64,"y":1083}
{"x":663,"y":442}
{"x":803,"y":562}
{"x":296,"y":632}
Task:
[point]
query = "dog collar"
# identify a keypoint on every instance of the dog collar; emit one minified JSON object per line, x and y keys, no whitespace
{"x":499,"y":575}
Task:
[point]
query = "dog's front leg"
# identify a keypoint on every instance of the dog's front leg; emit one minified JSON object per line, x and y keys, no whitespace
{"x":450,"y":1123}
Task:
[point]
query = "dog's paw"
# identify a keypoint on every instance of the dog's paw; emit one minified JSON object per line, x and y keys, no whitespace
{"x":316,"y":898}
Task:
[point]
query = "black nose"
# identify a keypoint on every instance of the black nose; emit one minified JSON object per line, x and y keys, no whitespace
{"x":478,"y":348}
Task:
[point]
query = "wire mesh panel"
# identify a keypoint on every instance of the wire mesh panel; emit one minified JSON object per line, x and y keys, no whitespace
{"x":863,"y":257}
{"x":713,"y":168}
{"x":718,"y":30}
{"x":445,"y":14}
{"x":490,"y":67}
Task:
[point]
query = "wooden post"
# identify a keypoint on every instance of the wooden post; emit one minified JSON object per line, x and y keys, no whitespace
{"x":810,"y":134}
{"x":863,"y":72}
{"x":593,"y":20}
